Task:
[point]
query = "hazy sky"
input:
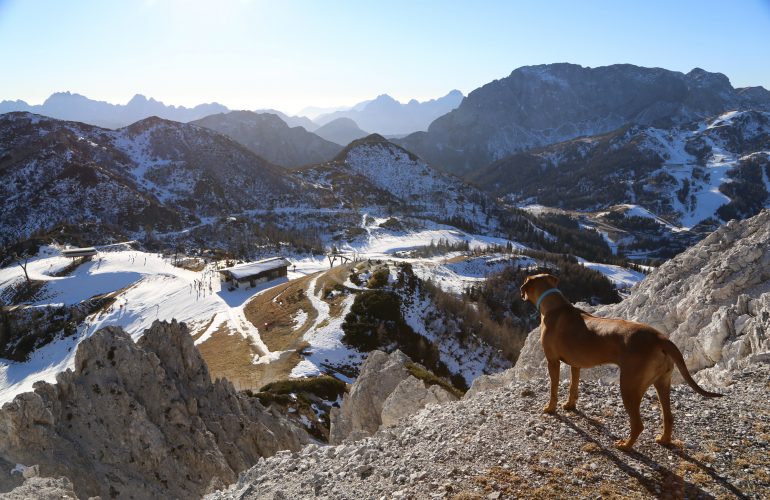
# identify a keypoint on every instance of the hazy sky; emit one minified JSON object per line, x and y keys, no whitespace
{"x":290,"y":54}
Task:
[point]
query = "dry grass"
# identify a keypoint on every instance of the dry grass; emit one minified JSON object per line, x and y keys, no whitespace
{"x":334,"y":279}
{"x":277,"y":308}
{"x":229,"y":355}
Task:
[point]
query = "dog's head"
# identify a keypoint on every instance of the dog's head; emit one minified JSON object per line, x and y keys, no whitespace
{"x":536,"y":284}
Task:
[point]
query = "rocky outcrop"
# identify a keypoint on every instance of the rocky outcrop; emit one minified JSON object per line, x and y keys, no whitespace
{"x":712,"y":300}
{"x":42,"y":488}
{"x":499,"y":445}
{"x":410,"y":395}
{"x":384,"y":392}
{"x":141,"y":419}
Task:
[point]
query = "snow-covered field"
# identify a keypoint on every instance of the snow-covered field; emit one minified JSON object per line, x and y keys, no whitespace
{"x":147,"y":287}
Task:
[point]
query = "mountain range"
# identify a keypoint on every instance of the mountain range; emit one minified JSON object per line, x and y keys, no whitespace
{"x":546,"y":104}
{"x":75,"y":107}
{"x":269,"y":136}
{"x":162,"y":175}
{"x":387,"y":116}
{"x":384,"y":114}
{"x":341,"y":130}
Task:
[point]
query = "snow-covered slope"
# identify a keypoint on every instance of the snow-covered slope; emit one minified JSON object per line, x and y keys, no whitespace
{"x":717,"y":169}
{"x":379,"y":166}
{"x":154,"y":173}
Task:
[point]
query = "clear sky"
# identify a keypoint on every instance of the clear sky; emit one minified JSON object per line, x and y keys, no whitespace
{"x":291,"y":54}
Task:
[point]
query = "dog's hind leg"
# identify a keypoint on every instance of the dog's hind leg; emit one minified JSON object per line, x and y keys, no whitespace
{"x":632,"y":393}
{"x":663,"y":387}
{"x":573,"y":389}
{"x":553,"y":373}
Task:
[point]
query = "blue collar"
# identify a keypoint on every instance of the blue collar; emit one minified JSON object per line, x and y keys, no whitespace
{"x":544,"y":295}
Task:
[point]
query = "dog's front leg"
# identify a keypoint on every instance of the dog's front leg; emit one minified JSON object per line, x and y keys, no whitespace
{"x":573,"y":389}
{"x":553,"y":373}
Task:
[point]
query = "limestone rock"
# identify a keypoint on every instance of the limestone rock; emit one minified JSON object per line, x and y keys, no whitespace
{"x":383,"y":393}
{"x":361,"y":408}
{"x":409,"y":396}
{"x":141,"y":419}
{"x":712,"y":300}
{"x":42,"y":488}
{"x":489,"y":382}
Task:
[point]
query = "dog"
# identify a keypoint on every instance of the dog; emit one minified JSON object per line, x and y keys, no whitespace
{"x":644,"y":355}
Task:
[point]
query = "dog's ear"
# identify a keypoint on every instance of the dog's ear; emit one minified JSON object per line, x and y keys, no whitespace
{"x":523,"y":289}
{"x":553,"y":281}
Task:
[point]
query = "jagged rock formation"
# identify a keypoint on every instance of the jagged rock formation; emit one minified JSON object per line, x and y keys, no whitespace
{"x":499,"y":445}
{"x":546,"y":104}
{"x":141,"y":419}
{"x":384,"y":392}
{"x":712,"y":300}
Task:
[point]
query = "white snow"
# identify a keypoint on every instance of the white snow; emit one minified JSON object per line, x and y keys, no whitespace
{"x":325,"y":339}
{"x":146,"y":287}
{"x":620,"y":276}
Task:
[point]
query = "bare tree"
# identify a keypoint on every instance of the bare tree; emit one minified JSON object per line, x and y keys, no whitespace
{"x":22,"y":260}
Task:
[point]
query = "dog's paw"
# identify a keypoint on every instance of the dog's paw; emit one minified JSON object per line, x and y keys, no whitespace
{"x":550,"y":409}
{"x":622,"y":444}
{"x":569,"y":406}
{"x":664,"y":440}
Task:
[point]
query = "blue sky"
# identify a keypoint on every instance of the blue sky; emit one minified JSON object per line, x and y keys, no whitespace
{"x":290,"y":54}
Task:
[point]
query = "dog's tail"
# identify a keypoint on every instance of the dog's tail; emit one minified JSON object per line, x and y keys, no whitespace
{"x":675,"y":354}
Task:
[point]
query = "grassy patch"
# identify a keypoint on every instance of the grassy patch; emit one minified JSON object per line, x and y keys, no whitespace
{"x":325,"y":387}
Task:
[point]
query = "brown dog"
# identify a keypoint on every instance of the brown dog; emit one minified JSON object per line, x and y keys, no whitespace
{"x":645,"y":356}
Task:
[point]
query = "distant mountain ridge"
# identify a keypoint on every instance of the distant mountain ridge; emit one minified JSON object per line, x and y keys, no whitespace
{"x":341,"y":131}
{"x":540,"y":105}
{"x":385,"y":115}
{"x":268,"y":136}
{"x":76,"y":107}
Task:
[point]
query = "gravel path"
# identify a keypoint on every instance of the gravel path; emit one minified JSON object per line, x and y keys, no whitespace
{"x":499,"y":445}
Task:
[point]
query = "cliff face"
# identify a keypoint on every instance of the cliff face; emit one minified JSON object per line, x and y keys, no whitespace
{"x":712,"y":300}
{"x":141,"y":419}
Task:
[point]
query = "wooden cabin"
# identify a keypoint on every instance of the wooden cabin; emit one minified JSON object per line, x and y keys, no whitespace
{"x":255,"y":272}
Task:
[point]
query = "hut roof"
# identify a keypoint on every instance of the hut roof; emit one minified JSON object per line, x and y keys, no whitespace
{"x":252,"y":268}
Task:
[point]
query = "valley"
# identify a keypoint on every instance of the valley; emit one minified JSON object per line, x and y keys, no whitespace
{"x":259,"y":285}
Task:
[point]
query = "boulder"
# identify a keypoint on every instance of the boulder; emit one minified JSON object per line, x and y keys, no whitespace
{"x":42,"y":488}
{"x":409,"y":396}
{"x":141,"y":419}
{"x":384,"y":392}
